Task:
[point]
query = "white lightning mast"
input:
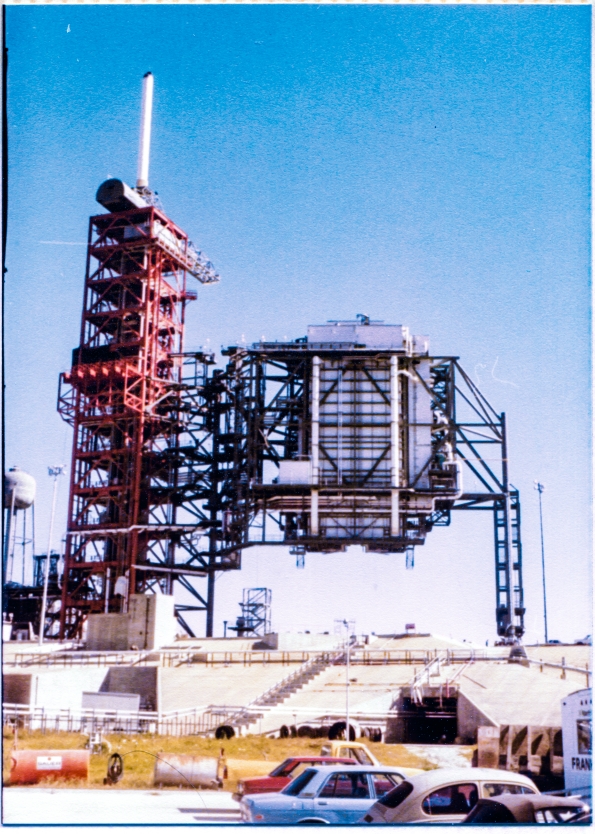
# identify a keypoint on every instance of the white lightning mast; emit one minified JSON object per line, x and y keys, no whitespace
{"x":144,"y":145}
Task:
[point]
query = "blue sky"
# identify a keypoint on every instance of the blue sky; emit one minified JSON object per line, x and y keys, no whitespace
{"x":426,"y":166}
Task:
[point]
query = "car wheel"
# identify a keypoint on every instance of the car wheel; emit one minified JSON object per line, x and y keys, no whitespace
{"x":313,"y":822}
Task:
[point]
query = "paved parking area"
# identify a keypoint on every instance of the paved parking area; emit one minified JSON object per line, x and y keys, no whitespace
{"x":113,"y":806}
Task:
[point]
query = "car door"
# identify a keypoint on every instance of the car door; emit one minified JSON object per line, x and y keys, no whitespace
{"x":344,"y":797}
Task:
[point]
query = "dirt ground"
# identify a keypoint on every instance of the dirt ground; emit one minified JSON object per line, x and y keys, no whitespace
{"x":249,"y":756}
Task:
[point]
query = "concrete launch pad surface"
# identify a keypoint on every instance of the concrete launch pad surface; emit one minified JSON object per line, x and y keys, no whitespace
{"x":111,"y":806}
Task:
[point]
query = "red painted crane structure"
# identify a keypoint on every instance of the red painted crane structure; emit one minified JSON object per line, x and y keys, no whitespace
{"x":123,"y":397}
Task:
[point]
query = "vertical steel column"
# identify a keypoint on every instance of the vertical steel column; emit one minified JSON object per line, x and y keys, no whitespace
{"x":395,"y":443}
{"x":9,"y":522}
{"x":509,"y":597}
{"x":315,"y":441}
{"x":214,"y":501}
{"x":507,"y":530}
{"x":340,"y":426}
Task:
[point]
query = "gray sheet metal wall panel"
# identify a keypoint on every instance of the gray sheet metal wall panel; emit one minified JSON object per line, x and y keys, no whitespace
{"x":111,"y":700}
{"x":374,"y":335}
{"x":421,"y":418}
{"x":355,"y":423}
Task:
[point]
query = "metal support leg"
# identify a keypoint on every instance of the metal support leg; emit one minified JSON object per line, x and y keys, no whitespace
{"x":395,"y":452}
{"x":210,"y":602}
{"x":508,"y":551}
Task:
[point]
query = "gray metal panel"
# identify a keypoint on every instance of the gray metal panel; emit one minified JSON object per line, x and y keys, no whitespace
{"x":123,"y":701}
{"x":421,"y":418}
{"x":375,"y":335}
{"x":355,"y":423}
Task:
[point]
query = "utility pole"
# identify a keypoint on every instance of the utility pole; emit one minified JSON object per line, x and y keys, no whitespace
{"x":347,"y":732}
{"x":540,"y":489}
{"x":54,"y":472}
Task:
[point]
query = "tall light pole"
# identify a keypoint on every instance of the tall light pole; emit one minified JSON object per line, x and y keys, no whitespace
{"x":540,"y":489}
{"x":54,"y":472}
{"x":347,"y":733}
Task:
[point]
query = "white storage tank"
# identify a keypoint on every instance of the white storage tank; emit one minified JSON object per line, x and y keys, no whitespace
{"x":20,"y":487}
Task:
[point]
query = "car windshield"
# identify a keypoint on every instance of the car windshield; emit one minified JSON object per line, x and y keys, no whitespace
{"x":295,"y":787}
{"x":399,"y":794}
{"x":284,"y":769}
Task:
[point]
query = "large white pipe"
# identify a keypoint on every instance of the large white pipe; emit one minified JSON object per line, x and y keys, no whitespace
{"x":315,"y":450}
{"x":144,"y":145}
{"x":315,"y":447}
{"x":395,"y":445}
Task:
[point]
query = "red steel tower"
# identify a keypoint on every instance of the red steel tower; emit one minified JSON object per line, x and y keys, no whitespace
{"x":123,"y":399}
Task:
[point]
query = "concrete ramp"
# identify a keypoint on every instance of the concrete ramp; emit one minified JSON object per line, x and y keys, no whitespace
{"x":500,"y":694}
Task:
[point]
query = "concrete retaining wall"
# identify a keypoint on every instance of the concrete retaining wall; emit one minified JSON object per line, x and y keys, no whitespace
{"x":16,"y":689}
{"x":469,"y":718}
{"x":142,"y":680}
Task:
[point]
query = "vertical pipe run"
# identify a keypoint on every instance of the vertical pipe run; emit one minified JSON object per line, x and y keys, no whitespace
{"x":340,"y":427}
{"x":315,"y":445}
{"x":107,"y":579}
{"x":144,"y":145}
{"x":10,"y":520}
{"x":24,"y":543}
{"x":395,"y":450}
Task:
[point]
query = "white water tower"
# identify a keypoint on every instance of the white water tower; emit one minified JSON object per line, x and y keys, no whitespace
{"x":19,"y":497}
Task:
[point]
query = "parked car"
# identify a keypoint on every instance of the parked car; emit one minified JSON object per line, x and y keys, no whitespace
{"x":528,"y":808}
{"x":322,"y":794}
{"x":282,"y":775}
{"x":445,"y":795}
{"x":359,"y":753}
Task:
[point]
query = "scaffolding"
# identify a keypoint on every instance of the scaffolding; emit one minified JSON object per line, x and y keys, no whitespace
{"x":255,"y":618}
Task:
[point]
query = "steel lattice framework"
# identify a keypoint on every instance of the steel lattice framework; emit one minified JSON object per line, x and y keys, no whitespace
{"x":135,"y":448}
{"x":319,"y":444}
{"x":323,"y":446}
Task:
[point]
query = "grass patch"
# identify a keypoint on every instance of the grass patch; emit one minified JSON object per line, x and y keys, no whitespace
{"x":249,"y":756}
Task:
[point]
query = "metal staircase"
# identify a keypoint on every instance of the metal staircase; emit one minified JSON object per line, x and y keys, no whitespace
{"x":284,"y":689}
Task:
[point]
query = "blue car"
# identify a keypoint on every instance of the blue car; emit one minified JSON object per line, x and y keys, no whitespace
{"x":334,"y":794}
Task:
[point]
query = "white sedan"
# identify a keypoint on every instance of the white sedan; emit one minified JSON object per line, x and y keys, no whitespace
{"x":445,"y":795}
{"x":333,"y":794}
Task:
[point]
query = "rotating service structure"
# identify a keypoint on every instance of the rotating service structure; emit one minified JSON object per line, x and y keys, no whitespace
{"x":356,"y":435}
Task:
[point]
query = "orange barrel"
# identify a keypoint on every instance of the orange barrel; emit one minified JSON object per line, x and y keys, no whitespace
{"x":30,"y":766}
